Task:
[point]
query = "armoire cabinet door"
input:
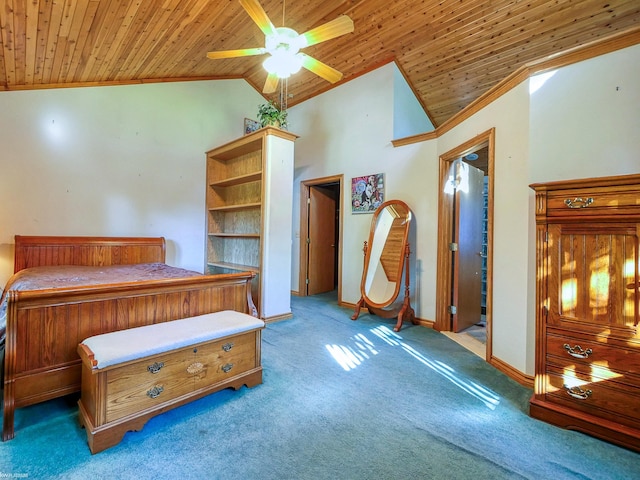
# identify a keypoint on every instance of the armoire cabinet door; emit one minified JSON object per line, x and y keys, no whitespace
{"x":593,"y":277}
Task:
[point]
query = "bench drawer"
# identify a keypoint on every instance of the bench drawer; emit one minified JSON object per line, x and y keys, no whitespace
{"x":133,"y":387}
{"x":222,"y":360}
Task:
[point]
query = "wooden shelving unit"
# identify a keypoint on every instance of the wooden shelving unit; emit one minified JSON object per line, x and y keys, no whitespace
{"x":246,"y":180}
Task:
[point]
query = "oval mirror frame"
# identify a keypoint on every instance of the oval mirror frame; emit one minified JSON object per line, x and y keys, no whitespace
{"x":385,"y":254}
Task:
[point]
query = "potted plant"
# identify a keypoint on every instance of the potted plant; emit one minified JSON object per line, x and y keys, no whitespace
{"x":270,"y":115}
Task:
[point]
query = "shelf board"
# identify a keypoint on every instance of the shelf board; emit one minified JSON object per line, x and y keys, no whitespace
{"x":235,"y":266}
{"x":249,"y":143}
{"x":231,"y":208}
{"x":240,"y":179}
{"x":235,"y":235}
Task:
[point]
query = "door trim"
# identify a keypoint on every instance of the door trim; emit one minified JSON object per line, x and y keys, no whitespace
{"x":304,"y":230}
{"x":445,"y":217}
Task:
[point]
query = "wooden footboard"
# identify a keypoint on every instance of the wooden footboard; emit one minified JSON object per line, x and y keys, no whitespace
{"x":45,"y":327}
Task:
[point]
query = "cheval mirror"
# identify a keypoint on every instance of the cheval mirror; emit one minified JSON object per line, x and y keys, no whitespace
{"x":386,"y":253}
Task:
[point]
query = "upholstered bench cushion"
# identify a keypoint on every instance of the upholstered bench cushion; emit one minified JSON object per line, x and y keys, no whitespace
{"x":133,"y":343}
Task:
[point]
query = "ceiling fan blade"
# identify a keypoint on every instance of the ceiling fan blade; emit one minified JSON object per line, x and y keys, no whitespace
{"x":244,"y":52}
{"x":340,"y":26}
{"x":257,"y":13}
{"x":322,"y":70}
{"x":271,"y":84}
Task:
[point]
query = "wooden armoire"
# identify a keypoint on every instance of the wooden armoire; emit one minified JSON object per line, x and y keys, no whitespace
{"x":587,"y":307}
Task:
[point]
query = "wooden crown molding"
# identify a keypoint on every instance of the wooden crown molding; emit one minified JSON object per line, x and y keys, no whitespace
{"x":594,"y":49}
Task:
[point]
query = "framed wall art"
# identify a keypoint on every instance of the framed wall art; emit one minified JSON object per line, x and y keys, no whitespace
{"x":367,"y":193}
{"x":251,"y":126}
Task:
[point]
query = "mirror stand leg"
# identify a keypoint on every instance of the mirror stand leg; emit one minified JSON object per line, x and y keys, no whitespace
{"x":406,"y":304}
{"x":405,"y":312}
{"x":358,"y":307}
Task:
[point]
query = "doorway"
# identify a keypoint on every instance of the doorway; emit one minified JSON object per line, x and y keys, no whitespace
{"x":465,"y":219}
{"x":320,"y":236}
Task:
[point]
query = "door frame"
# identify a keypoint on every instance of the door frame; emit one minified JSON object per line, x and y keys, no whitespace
{"x":444,"y":286}
{"x":305,"y":186}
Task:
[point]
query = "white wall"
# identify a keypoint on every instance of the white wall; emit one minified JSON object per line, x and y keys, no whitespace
{"x":348,"y":131}
{"x":512,"y":330}
{"x":409,"y":118}
{"x":584,"y":121}
{"x":124,"y":160}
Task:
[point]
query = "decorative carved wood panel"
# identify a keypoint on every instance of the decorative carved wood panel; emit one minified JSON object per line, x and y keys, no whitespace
{"x":596,"y":267}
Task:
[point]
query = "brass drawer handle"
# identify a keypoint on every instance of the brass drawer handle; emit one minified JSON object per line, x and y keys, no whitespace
{"x":577,"y":351}
{"x":578,"y":202}
{"x":227,"y":367}
{"x":227,"y":346}
{"x":578,"y":393}
{"x":155,"y":367}
{"x":195,"y":367}
{"x":155,"y":391}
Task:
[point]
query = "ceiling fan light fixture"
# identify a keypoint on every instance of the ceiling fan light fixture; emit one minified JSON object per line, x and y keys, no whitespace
{"x":283,"y":46}
{"x":283,"y":64}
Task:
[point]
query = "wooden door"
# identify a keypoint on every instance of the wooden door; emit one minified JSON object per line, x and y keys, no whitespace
{"x":467,"y":274}
{"x":321,"y":241}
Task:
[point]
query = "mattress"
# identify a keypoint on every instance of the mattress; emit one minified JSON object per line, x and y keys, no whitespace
{"x":69,"y":276}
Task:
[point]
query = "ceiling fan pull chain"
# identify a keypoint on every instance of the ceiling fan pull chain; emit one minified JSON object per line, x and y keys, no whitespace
{"x":285,"y":90}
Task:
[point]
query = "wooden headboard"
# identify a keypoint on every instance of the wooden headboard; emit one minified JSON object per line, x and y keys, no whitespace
{"x":34,"y":251}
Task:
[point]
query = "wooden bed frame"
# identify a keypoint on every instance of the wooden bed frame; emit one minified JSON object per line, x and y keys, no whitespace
{"x":98,"y":251}
{"x":44,"y":327}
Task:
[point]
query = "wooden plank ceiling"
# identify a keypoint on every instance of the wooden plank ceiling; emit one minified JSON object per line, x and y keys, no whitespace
{"x":450,"y":51}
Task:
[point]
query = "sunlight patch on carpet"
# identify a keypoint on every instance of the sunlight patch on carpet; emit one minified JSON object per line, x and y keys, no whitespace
{"x":350,"y":357}
{"x":361,"y":348}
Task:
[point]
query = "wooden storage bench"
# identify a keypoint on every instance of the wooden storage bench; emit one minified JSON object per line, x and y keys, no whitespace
{"x":129,"y":376}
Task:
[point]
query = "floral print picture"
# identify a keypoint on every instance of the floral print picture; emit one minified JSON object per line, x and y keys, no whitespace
{"x":367,"y":193}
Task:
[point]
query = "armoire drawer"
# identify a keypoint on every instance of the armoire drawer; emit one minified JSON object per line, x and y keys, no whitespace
{"x":565,"y":349}
{"x":592,"y":202}
{"x":590,"y":394}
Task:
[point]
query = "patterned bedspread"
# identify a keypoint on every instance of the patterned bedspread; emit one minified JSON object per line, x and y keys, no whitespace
{"x":41,"y":278}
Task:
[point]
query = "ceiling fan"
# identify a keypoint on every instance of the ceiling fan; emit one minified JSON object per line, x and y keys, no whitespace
{"x":284,"y":44}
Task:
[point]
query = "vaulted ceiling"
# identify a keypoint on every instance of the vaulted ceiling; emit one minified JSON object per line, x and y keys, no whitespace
{"x":450,"y":51}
